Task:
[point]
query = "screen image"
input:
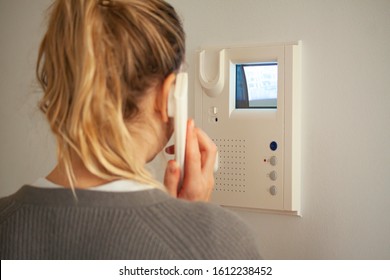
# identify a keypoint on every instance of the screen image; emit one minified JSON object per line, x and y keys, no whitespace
{"x":257,"y":85}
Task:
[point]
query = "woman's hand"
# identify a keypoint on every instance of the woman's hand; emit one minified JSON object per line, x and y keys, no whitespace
{"x":200,"y":156}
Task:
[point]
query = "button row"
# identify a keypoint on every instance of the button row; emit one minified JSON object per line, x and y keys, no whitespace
{"x":273,"y":175}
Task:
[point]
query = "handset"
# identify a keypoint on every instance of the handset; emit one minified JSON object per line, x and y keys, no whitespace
{"x":178,"y":110}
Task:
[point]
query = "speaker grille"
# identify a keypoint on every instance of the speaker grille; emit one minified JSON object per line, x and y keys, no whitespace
{"x":231,"y":174}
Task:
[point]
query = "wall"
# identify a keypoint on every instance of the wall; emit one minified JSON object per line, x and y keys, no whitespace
{"x":27,"y":149}
{"x":346,"y":116}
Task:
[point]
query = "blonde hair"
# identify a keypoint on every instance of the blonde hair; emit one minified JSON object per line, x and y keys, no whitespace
{"x":96,"y":62}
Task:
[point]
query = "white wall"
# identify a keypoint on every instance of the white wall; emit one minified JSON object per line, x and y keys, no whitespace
{"x":346,"y":115}
{"x":27,"y":149}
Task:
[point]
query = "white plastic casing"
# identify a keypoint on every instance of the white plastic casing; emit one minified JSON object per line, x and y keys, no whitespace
{"x":178,"y":109}
{"x":251,"y":174}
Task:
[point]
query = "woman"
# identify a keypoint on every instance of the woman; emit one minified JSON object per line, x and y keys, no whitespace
{"x":106,"y":68}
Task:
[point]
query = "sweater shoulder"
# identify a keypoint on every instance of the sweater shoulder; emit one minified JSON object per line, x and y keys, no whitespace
{"x":140,"y":225}
{"x":8,"y":206}
{"x":212,"y":232}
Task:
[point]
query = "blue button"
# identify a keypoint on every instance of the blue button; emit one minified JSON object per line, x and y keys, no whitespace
{"x":273,"y":146}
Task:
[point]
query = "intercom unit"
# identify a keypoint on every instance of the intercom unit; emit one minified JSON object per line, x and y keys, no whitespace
{"x":247,"y":99}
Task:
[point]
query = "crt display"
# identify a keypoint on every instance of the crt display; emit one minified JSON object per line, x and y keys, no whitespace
{"x":257,"y":85}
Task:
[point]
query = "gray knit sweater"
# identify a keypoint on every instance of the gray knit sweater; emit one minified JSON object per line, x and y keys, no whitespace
{"x":40,"y":223}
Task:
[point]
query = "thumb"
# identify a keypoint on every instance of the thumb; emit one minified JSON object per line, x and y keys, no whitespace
{"x":172,"y":177}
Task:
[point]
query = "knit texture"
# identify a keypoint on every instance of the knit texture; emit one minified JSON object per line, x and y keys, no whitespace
{"x":40,"y":223}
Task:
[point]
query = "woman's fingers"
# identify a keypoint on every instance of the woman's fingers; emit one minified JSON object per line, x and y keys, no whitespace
{"x":172,"y":177}
{"x":200,"y":157}
{"x":193,"y":157}
{"x":198,"y":179}
{"x":208,"y":151}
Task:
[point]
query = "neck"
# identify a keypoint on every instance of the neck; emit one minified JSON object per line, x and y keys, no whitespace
{"x":84,"y":178}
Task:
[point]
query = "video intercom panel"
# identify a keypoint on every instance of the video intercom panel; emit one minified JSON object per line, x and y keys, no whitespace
{"x":248,"y":99}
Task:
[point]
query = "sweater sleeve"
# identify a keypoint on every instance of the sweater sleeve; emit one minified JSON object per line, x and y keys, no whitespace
{"x":201,"y":231}
{"x":224,"y":234}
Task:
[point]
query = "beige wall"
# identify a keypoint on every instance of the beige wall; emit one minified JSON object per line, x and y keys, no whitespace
{"x":26,"y":146}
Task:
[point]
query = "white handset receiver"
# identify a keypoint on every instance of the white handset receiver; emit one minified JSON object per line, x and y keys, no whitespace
{"x":178,"y":110}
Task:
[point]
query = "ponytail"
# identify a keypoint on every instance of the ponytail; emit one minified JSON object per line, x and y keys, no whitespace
{"x":96,"y":62}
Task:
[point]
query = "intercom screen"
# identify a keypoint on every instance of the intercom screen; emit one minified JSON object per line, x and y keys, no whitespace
{"x":257,"y":85}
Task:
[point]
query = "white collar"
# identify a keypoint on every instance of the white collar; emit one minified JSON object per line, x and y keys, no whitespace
{"x":114,"y":186}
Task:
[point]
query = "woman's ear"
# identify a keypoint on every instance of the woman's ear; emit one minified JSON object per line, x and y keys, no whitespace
{"x":162,"y":97}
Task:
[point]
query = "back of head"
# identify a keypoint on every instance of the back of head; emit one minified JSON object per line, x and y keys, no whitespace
{"x":96,"y":62}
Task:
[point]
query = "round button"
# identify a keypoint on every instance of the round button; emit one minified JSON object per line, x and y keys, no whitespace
{"x":273,"y":175}
{"x":273,"y":146}
{"x":273,"y":161}
{"x":273,"y":190}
